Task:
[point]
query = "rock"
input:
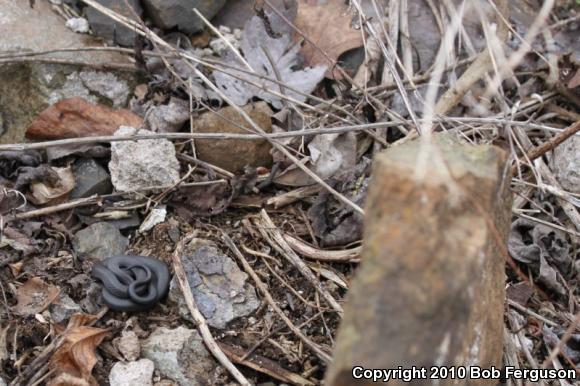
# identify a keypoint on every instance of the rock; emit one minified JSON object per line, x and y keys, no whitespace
{"x":234,"y":155}
{"x":566,"y":164}
{"x":132,"y":373}
{"x":180,"y":354}
{"x":30,"y":87}
{"x":168,"y":118}
{"x":431,"y":285}
{"x":140,"y":164}
{"x":78,"y":24}
{"x":167,"y":14}
{"x":63,"y":309}
{"x":128,"y":345}
{"x":108,"y":29}
{"x":76,"y":117}
{"x":99,"y":241}
{"x":2,"y":382}
{"x":156,"y":216}
{"x":218,"y":285}
{"x":90,"y":178}
{"x":107,"y":86}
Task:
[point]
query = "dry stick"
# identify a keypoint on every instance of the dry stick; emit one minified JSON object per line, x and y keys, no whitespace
{"x":545,"y":171}
{"x":343,"y":256}
{"x":320,"y":353}
{"x":95,"y":199}
{"x":202,"y":325}
{"x":473,"y":73}
{"x":273,"y":235}
{"x":264,"y":365}
{"x":550,"y":144}
{"x":254,"y":137}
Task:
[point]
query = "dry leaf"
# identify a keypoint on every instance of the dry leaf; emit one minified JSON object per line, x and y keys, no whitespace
{"x":270,"y":52}
{"x":329,"y":26}
{"x":75,"y":117}
{"x":43,"y":192}
{"x":76,"y":358}
{"x":35,"y":296}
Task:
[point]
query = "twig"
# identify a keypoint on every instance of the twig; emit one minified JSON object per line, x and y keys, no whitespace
{"x":550,"y":144}
{"x":199,"y":319}
{"x":325,"y":357}
{"x":343,"y":256}
{"x":473,"y":73}
{"x":273,"y":235}
{"x":264,"y":365}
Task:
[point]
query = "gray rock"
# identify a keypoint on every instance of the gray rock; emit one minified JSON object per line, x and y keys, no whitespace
{"x":63,"y":309}
{"x":93,"y":86}
{"x":141,"y":164}
{"x":167,"y":14}
{"x":28,"y":88}
{"x":156,"y":216}
{"x":128,"y":345}
{"x":566,"y":164}
{"x":78,"y":24}
{"x":99,"y":241}
{"x":2,"y":382}
{"x":132,"y":373}
{"x":168,"y":118}
{"x":218,"y":285}
{"x":110,"y":30}
{"x":180,"y":354}
{"x":90,"y":178}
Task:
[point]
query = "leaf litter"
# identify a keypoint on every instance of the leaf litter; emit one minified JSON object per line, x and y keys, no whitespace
{"x":39,"y":264}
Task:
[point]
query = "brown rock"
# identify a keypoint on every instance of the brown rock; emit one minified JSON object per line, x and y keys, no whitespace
{"x":75,"y":117}
{"x":233,"y":155}
{"x":430,"y":290}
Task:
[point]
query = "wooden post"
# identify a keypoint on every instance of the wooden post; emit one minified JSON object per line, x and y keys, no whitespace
{"x":430,"y":289}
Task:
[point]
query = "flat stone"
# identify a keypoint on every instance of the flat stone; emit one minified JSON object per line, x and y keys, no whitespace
{"x":106,"y":28}
{"x":62,"y":309}
{"x":30,"y":87}
{"x":128,"y":345}
{"x":156,"y":216}
{"x":234,"y":155}
{"x":180,"y":354}
{"x":90,"y":178}
{"x":219,"y":287}
{"x":431,"y":285}
{"x":167,"y":14}
{"x":141,"y":164}
{"x":168,"y":118}
{"x":566,"y":164}
{"x":78,"y":24}
{"x":99,"y":241}
{"x":132,"y":373}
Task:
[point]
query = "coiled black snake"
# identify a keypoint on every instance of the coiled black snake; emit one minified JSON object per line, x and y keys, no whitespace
{"x":132,"y":283}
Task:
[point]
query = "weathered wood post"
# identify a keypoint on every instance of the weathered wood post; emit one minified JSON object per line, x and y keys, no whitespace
{"x":430,"y":289}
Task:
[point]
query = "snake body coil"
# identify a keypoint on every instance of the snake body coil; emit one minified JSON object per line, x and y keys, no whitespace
{"x":132,"y":283}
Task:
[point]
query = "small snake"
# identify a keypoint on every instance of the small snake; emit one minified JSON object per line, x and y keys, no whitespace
{"x":132,"y":283}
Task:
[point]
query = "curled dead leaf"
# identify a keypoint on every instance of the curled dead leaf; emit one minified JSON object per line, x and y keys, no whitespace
{"x":35,"y":296}
{"x":45,"y":192}
{"x":75,"y":359}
